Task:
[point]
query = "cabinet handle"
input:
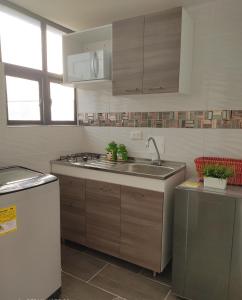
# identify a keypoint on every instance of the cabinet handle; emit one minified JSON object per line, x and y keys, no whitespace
{"x":95,"y":65}
{"x":156,"y":88}
{"x":133,"y":90}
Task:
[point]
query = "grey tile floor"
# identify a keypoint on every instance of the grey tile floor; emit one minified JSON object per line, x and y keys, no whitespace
{"x":91,"y":275}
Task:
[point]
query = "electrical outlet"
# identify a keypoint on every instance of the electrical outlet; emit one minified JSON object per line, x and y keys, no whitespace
{"x":136,"y":135}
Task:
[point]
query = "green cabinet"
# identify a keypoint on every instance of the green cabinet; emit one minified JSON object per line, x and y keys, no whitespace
{"x":235,"y":284}
{"x":205,"y":239}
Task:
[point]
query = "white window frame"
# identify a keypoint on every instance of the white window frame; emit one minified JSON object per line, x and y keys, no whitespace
{"x":42,"y":76}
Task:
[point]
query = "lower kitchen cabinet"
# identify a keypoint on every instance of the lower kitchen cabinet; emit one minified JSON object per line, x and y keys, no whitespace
{"x":204,"y":241}
{"x":141,"y":227}
{"x":122,"y":221}
{"x":73,"y":209}
{"x":103,"y":216}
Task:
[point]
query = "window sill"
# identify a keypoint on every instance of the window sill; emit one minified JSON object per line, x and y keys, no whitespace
{"x":41,"y":125}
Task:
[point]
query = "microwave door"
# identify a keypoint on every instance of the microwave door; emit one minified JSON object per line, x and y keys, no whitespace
{"x":79,"y":67}
{"x":95,"y":65}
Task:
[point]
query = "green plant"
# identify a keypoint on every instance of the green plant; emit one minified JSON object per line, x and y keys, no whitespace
{"x":122,"y":152}
{"x":112,"y":151}
{"x":217,"y":171}
{"x":111,"y":147}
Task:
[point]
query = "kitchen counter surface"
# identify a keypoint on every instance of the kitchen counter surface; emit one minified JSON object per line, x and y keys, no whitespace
{"x":194,"y":184}
{"x":144,"y":166}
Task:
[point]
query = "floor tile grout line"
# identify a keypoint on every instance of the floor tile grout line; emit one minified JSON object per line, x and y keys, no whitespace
{"x":73,"y":276}
{"x":115,"y":265}
{"x":98,"y":287}
{"x":101,"y":289}
{"x":98,"y":272}
{"x":142,"y":275}
{"x":154,"y":280}
{"x":159,"y":282}
{"x":168,"y":294}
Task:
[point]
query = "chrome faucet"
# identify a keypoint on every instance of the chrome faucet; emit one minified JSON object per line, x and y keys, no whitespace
{"x":156,"y":149}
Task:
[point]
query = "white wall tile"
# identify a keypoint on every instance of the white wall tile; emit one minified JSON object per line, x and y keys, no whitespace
{"x":216,"y":84}
{"x":34,"y":146}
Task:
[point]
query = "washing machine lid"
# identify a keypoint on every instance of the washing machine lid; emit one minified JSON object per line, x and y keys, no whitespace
{"x":16,"y":178}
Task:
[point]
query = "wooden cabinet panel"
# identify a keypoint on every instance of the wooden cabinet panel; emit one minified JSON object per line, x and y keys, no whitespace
{"x":128,"y":56}
{"x":162,"y":46}
{"x":73,"y":219}
{"x":103,"y":216}
{"x":141,"y":227}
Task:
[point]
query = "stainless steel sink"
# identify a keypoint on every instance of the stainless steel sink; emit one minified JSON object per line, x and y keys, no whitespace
{"x":134,"y":166}
{"x":101,"y":164}
{"x":146,"y":169}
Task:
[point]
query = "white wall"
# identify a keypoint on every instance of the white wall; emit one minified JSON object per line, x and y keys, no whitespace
{"x":217,"y":84}
{"x":34,"y":146}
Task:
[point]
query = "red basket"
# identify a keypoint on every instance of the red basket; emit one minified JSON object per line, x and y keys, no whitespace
{"x":235,"y":164}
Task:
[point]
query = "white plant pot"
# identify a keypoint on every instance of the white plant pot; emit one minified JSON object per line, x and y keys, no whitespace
{"x":215,"y":183}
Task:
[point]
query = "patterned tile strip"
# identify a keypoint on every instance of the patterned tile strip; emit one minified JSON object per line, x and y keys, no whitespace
{"x":231,"y":119}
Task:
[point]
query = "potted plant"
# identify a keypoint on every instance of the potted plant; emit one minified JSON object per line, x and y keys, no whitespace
{"x":215,"y":176}
{"x":111,"y":151}
{"x":122,"y":153}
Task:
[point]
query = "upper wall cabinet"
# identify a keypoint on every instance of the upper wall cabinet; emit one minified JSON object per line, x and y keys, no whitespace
{"x":128,"y":56}
{"x":162,"y":46}
{"x":87,"y":56}
{"x":153,"y":53}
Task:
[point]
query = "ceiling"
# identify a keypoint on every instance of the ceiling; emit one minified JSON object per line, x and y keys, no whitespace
{"x":80,"y":14}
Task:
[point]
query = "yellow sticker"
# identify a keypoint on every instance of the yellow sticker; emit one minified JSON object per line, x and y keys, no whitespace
{"x":191,"y":184}
{"x":8,"y":220}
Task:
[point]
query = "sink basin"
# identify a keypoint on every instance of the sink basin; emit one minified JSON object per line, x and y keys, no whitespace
{"x":137,"y":167}
{"x":145,"y":169}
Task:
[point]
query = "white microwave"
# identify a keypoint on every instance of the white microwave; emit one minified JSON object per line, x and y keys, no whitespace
{"x":94,"y":65}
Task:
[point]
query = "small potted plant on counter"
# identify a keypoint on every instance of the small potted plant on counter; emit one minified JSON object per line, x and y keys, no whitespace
{"x":122,"y":153}
{"x":111,"y":151}
{"x":215,"y":176}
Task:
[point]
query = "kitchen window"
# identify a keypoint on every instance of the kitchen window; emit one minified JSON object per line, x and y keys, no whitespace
{"x":31,"y":50}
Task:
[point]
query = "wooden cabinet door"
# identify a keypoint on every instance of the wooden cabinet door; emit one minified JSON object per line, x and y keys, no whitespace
{"x":141,"y":227}
{"x":72,"y":197}
{"x":103,"y":216}
{"x":128,"y":56}
{"x":162,"y":45}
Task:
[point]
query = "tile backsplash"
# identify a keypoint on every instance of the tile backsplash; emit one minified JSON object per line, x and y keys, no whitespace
{"x":169,"y":119}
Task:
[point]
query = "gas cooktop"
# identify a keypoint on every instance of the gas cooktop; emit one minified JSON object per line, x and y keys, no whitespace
{"x":80,"y":157}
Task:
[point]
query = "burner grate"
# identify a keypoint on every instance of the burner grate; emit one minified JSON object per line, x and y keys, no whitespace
{"x":83,"y":156}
